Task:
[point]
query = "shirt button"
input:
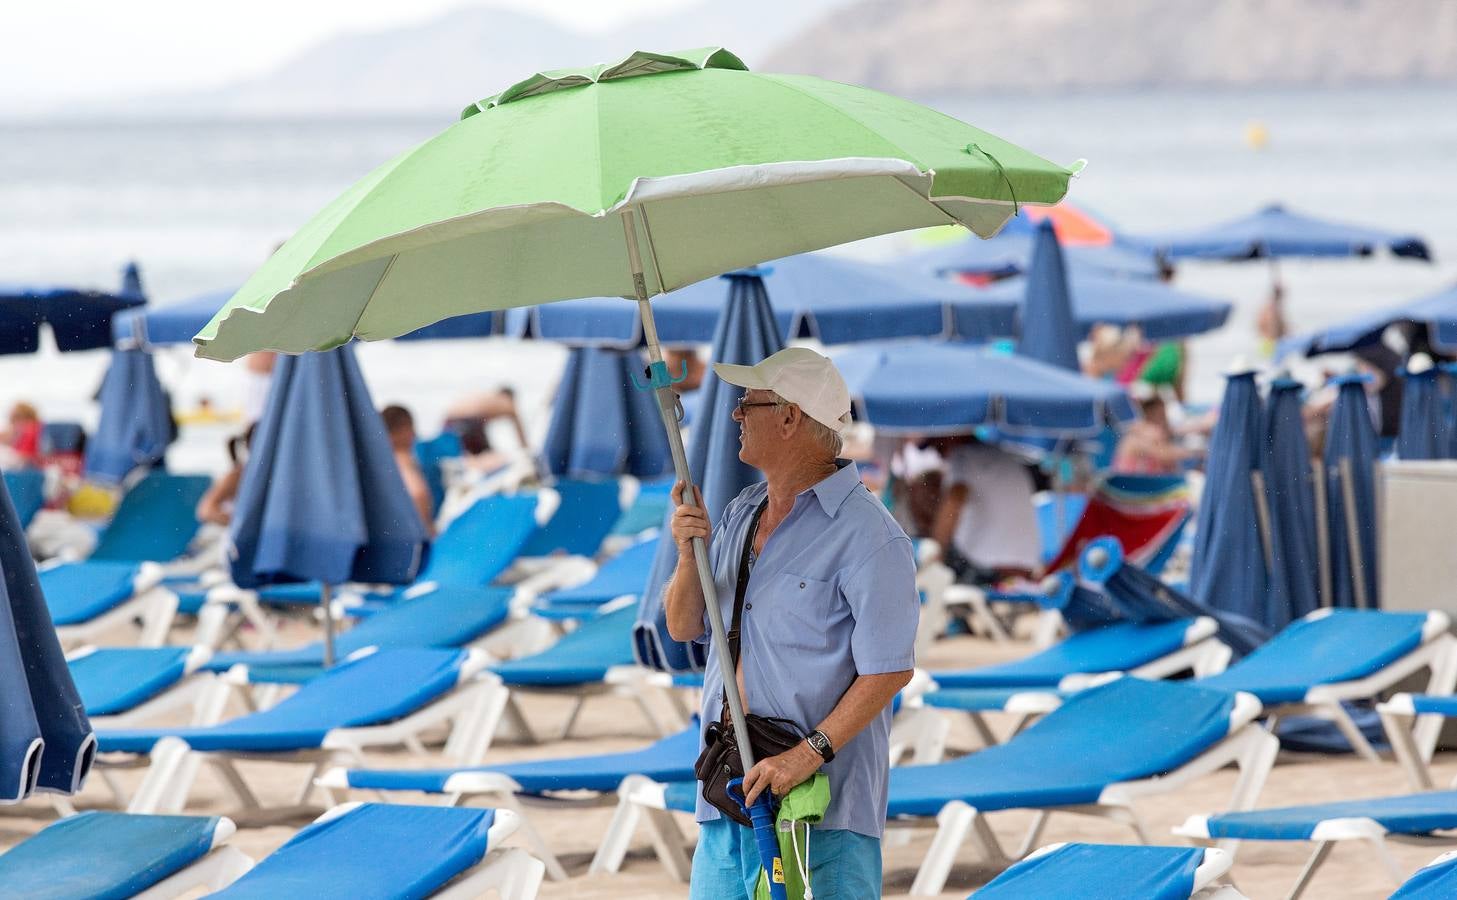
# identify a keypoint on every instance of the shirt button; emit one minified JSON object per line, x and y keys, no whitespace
{"x":748,"y":606}
{"x":801,"y":585}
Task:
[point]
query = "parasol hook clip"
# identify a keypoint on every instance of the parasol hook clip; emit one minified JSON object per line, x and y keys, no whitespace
{"x":658,"y":376}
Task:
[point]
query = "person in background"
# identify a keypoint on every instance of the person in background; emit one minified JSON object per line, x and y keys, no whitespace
{"x":216,"y":506}
{"x":1113,"y":348}
{"x":468,"y":417}
{"x":1271,"y":323}
{"x":22,"y":437}
{"x":1148,"y":446}
{"x":986,"y":524}
{"x":258,"y":378}
{"x":401,"y":428}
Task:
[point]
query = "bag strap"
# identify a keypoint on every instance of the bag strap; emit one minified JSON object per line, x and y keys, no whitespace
{"x":741,"y":588}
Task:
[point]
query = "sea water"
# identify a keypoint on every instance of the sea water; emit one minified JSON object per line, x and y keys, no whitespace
{"x":200,"y":203}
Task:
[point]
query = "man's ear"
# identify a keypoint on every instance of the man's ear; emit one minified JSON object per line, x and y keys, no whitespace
{"x":792,"y":419}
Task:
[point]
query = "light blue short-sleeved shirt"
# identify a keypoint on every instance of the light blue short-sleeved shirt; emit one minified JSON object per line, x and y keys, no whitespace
{"x":832,"y":597}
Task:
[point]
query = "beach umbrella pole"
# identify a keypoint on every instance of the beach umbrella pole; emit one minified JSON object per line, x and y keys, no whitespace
{"x":1353,"y":535}
{"x":1322,"y":532}
{"x":1262,"y":518}
{"x":326,"y":603}
{"x":662,"y":382}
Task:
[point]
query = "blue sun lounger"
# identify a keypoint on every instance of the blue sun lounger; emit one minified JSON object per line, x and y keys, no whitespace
{"x":669,"y":759}
{"x":27,"y":491}
{"x":122,"y":580}
{"x":1412,"y":818}
{"x":594,"y":659}
{"x":1094,"y":871}
{"x":1101,"y":750}
{"x":375,"y":851}
{"x":1437,"y":880}
{"x":1334,"y":655}
{"x":122,"y":684}
{"x":1038,"y":683}
{"x":625,"y":574}
{"x":386,"y":698}
{"x":89,"y":599}
{"x":106,"y":854}
{"x":447,"y":617}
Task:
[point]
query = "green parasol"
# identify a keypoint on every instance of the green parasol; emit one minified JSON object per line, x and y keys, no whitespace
{"x":629,"y":179}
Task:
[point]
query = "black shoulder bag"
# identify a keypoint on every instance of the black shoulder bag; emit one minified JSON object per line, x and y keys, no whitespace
{"x":719,"y":763}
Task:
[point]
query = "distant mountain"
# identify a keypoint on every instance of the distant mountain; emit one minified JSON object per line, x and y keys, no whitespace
{"x":947,"y":47}
{"x":444,"y":64}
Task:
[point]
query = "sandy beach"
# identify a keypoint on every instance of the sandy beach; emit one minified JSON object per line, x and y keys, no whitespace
{"x":1261,"y":871}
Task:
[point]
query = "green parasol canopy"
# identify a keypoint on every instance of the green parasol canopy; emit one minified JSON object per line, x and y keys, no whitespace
{"x":723,"y":168}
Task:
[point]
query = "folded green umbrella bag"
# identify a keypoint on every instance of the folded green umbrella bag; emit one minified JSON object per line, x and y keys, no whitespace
{"x":802,"y":807}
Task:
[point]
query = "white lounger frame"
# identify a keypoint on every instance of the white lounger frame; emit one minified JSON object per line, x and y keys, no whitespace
{"x":1202,"y":653}
{"x":473,"y":710}
{"x":150,"y":602}
{"x":1413,"y":738}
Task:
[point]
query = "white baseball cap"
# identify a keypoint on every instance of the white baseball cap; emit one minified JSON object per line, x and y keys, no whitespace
{"x":802,"y":377}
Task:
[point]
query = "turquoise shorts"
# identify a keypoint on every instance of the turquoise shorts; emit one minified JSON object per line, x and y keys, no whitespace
{"x":843,"y":865}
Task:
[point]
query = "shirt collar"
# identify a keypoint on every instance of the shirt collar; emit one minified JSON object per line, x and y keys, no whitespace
{"x":834,"y":488}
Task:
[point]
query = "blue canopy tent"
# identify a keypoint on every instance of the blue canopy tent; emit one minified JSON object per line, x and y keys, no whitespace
{"x":1010,"y":253}
{"x":956,"y":389}
{"x":1275,"y":232}
{"x":747,"y":333}
{"x":321,"y":498}
{"x":80,"y":319}
{"x":136,"y":419}
{"x":812,"y":295}
{"x":1294,"y":583}
{"x":1350,"y":471}
{"x":1161,"y":312}
{"x":1423,"y":430}
{"x":1436,"y":312}
{"x":45,"y":739}
{"x":1047,"y":329}
{"x":1230,"y":566}
{"x":600,"y":423}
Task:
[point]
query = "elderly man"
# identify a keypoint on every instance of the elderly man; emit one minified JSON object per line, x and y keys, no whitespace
{"x":827,"y":627}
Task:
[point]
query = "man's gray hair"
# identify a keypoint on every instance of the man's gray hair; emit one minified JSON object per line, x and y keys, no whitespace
{"x":824,"y":435}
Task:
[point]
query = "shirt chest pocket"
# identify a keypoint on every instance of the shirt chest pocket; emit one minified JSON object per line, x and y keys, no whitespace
{"x":807,"y":608}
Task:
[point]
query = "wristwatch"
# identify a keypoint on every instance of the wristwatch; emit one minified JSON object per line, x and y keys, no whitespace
{"x":820,"y":744}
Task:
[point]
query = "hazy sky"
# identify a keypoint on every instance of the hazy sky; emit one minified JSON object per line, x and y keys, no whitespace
{"x":62,"y":50}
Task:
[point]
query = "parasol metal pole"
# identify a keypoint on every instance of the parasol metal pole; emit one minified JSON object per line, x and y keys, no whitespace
{"x":1322,"y":532}
{"x":1262,"y":519}
{"x":662,"y":382}
{"x":326,"y":602}
{"x":1353,"y":533}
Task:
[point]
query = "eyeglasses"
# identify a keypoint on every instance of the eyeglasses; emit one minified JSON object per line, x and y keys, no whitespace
{"x":743,"y":406}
